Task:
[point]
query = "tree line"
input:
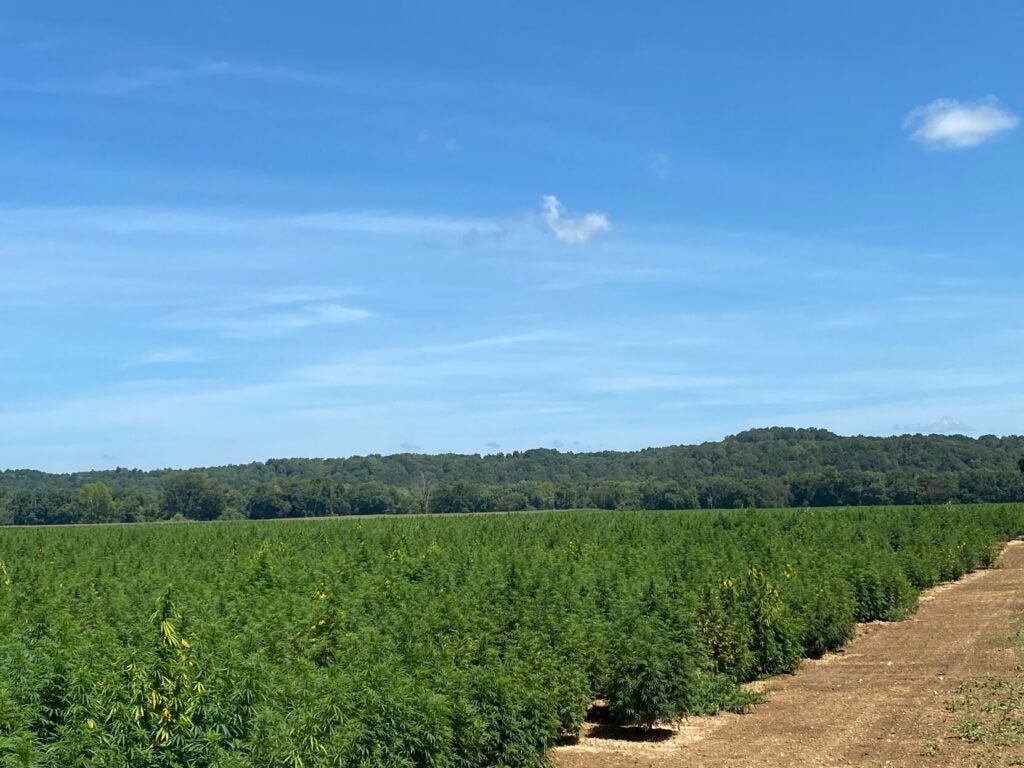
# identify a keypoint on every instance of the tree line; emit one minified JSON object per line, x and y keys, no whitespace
{"x":760,"y":468}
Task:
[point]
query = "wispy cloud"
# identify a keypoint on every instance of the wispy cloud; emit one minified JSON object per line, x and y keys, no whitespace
{"x":659,"y":164}
{"x":168,"y":356}
{"x":952,"y":124}
{"x":146,"y":220}
{"x":273,"y":315}
{"x":648,"y":382}
{"x":431,"y":139}
{"x":946,"y":425}
{"x":304,"y":294}
{"x":851,"y":321}
{"x":572,"y":229}
{"x":162,"y":77}
{"x":494,"y":342}
{"x":570,"y":276}
{"x":432,"y":364}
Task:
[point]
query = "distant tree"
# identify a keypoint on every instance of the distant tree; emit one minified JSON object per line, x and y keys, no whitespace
{"x":655,"y":495}
{"x":40,"y":508}
{"x":615,"y":494}
{"x":763,"y":468}
{"x":725,"y":493}
{"x":541,"y":495}
{"x":371,"y":498}
{"x":510,"y":499}
{"x":426,"y":481}
{"x":771,"y":492}
{"x":94,"y":503}
{"x":192,"y":496}
{"x":316,"y":498}
{"x":460,"y":496}
{"x":267,"y":501}
{"x":565,"y":496}
{"x":134,"y":506}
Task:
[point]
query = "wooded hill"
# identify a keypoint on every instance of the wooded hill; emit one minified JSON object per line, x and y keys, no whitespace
{"x":773,"y":467}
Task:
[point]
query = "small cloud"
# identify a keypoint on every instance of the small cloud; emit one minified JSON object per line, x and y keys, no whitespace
{"x":947,"y":425}
{"x":493,"y":342}
{"x":574,"y":230}
{"x":447,"y":143}
{"x":270,"y":316}
{"x":493,"y":446}
{"x":851,"y":321}
{"x":128,"y":220}
{"x":659,"y":164}
{"x":169,"y":357}
{"x":304,"y":294}
{"x":410,"y":448}
{"x":164,"y":77}
{"x":951,"y":124}
{"x":650,"y":382}
{"x":475,"y":235}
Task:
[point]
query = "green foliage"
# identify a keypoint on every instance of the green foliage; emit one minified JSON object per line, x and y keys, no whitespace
{"x":267,"y":501}
{"x":653,"y":674}
{"x":881,"y":591}
{"x":95,"y":503}
{"x":722,"y":621}
{"x":156,"y":717}
{"x":455,"y":643}
{"x":774,"y":631}
{"x":763,"y":468}
{"x":192,"y":496}
{"x":826,"y":608}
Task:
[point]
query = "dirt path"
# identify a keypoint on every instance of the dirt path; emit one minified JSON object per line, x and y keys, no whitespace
{"x":881,"y":702}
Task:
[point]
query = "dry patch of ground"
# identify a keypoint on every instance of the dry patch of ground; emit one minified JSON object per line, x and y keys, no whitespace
{"x":987,"y":727}
{"x":881,"y":702}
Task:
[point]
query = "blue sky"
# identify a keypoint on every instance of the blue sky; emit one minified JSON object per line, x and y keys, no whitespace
{"x":234,"y":231}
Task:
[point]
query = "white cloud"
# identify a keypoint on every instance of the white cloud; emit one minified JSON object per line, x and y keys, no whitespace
{"x":659,"y":164}
{"x":157,"y":77}
{"x":270,"y":316}
{"x":131,"y":220}
{"x":851,"y":321}
{"x":169,"y":356}
{"x":304,"y":294}
{"x":947,"y":425}
{"x":951,"y":124}
{"x":648,"y":382}
{"x":447,"y":143}
{"x":493,"y":342}
{"x":573,"y":230}
{"x":143,"y":220}
{"x":368,"y":372}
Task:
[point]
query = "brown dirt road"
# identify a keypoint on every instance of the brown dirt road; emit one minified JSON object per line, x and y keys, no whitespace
{"x":880,"y":702}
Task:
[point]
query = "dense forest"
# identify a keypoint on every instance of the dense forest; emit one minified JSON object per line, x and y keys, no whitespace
{"x":775,"y":467}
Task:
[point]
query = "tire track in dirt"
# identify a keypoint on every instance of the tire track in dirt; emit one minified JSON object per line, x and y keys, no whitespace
{"x":877,"y":703}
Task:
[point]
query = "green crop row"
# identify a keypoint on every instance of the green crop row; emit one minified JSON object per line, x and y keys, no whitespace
{"x":465,"y":642}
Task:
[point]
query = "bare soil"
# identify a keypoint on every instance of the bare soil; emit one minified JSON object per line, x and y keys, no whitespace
{"x":882,"y":701}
